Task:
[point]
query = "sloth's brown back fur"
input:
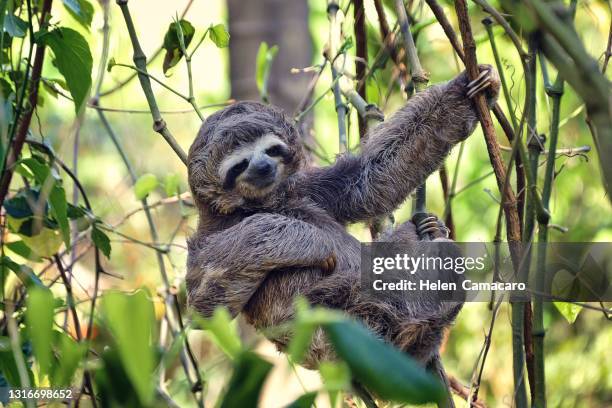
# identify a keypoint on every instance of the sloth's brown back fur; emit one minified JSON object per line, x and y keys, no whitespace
{"x":255,"y":256}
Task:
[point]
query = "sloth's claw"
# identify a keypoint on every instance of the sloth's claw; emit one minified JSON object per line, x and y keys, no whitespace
{"x":428,"y":225}
{"x":483,"y":81}
{"x":329,"y":264}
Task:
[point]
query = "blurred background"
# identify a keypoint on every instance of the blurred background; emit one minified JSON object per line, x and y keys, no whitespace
{"x":579,"y":362}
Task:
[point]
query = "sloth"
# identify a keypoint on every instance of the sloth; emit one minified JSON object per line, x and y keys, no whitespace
{"x":272,"y":228}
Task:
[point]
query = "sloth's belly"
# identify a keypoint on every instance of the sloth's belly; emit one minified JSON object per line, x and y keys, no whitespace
{"x":272,"y":303}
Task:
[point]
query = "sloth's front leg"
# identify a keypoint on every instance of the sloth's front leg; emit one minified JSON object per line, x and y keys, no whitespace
{"x":227,"y":268}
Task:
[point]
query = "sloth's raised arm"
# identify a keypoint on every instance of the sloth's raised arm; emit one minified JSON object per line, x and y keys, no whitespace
{"x":399,"y":153}
{"x":225,"y":269}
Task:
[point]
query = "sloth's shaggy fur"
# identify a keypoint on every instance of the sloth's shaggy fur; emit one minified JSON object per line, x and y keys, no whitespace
{"x":256,"y":255}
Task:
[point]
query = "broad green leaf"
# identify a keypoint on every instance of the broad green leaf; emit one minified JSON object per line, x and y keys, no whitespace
{"x":15,"y":26}
{"x":59,"y":210}
{"x":23,"y":250}
{"x":260,"y":64}
{"x":73,"y":60}
{"x":336,"y":375}
{"x":568,"y":310}
{"x":305,"y":401}
{"x":45,"y":243}
{"x":81,"y":10}
{"x":18,"y":206}
{"x":25,"y":274}
{"x":306,"y":322}
{"x":38,"y":169}
{"x":101,"y":241}
{"x":250,"y":372}
{"x":113,"y":383}
{"x":6,"y":87}
{"x":39,"y":318}
{"x":222,"y":332}
{"x":70,"y":354}
{"x":301,"y":339}
{"x":172,"y":184}
{"x":133,"y":335}
{"x":144,"y":185}
{"x":380,"y":367}
{"x":82,"y":217}
{"x":8,"y":367}
{"x":265,"y":56}
{"x":219,"y":35}
{"x":172,"y":42}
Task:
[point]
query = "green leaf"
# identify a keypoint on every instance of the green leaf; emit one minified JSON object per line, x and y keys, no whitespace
{"x":81,"y":10}
{"x":101,"y":241}
{"x":111,"y":63}
{"x":305,"y":401}
{"x":144,"y":185}
{"x":306,"y":322}
{"x":44,"y":242}
{"x":133,"y":335}
{"x":265,"y":56}
{"x":219,"y":35}
{"x":39,"y":318}
{"x":250,"y":372}
{"x":380,"y":367}
{"x":18,"y":206}
{"x":23,"y":250}
{"x":15,"y":26}
{"x":568,"y":310}
{"x":73,"y":60}
{"x":222,"y":332}
{"x":336,"y":376}
{"x":172,"y":42}
{"x":34,"y":168}
{"x":59,"y":210}
{"x":8,"y":367}
{"x":302,"y":336}
{"x":25,"y":274}
{"x":6,"y":88}
{"x":70,"y":355}
{"x":172,"y":184}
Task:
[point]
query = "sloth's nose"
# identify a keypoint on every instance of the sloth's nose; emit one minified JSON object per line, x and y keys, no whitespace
{"x":262,"y":168}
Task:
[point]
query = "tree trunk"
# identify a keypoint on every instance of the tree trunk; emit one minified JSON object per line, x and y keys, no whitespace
{"x":278,"y":22}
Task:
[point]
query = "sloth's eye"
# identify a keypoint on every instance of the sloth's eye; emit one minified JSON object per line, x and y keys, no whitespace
{"x":276,"y":150}
{"x":234,"y":172}
{"x":238,"y":168}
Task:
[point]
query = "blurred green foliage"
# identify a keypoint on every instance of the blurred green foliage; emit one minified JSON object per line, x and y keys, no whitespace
{"x":129,"y":352}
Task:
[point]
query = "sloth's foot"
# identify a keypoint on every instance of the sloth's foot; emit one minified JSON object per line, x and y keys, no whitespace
{"x":329,"y":264}
{"x":429,"y":226}
{"x":488,"y":79}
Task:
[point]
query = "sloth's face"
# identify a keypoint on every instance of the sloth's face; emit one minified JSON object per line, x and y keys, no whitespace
{"x":255,"y":169}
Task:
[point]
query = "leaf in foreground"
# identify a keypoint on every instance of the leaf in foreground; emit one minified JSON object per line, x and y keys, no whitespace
{"x":145,"y":185}
{"x":73,"y":60}
{"x":245,"y":385}
{"x":133,"y":332}
{"x":383,"y":369}
{"x":39,"y":318}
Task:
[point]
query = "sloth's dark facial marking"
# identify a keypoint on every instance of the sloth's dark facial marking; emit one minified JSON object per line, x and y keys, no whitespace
{"x":256,"y":168}
{"x":233,"y":173}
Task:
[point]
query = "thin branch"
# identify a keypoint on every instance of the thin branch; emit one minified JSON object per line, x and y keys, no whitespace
{"x":140,"y":60}
{"x":157,"y":52}
{"x":509,"y":204}
{"x":419,"y":79}
{"x":361,"y":62}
